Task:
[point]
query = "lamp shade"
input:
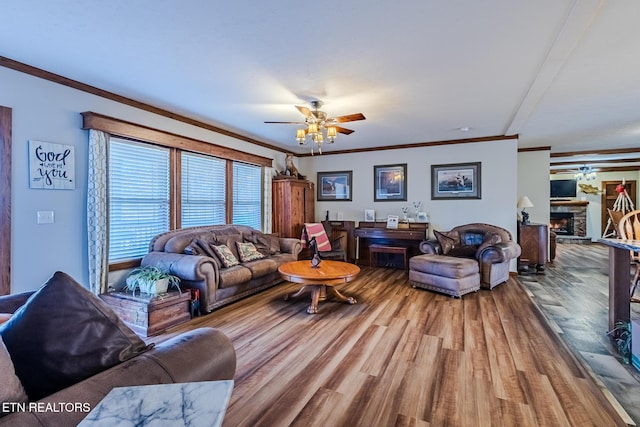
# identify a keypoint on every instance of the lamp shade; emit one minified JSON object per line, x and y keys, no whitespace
{"x":524,"y":202}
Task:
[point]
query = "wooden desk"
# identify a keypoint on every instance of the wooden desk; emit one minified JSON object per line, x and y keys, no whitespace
{"x":620,"y":278}
{"x":408,"y":235}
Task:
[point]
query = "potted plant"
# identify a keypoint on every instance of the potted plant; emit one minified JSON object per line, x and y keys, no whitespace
{"x":621,"y":336}
{"x":151,"y":280}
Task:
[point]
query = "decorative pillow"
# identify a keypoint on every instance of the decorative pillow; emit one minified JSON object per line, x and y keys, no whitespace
{"x":266,"y":244}
{"x":248,"y":252}
{"x":447,"y":239}
{"x":316,"y":230}
{"x":227,"y":258}
{"x":229,"y":240}
{"x":11,"y":390}
{"x":490,"y":239}
{"x":64,"y":334}
{"x":193,"y":248}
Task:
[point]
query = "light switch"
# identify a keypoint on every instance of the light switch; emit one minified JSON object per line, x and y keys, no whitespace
{"x":45,"y":217}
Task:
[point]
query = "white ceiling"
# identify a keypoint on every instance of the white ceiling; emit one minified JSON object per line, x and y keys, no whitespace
{"x":560,"y":73}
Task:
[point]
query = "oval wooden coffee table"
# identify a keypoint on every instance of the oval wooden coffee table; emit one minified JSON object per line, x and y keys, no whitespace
{"x":320,"y":281}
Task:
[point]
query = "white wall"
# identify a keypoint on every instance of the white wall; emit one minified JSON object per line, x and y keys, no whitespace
{"x":45,"y":111}
{"x":499,"y":183}
{"x":533,"y":182}
{"x":594,"y":208}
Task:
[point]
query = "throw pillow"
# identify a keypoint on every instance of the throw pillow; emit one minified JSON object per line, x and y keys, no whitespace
{"x":11,"y":390}
{"x":227,"y":258}
{"x":316,"y":230}
{"x":447,"y":239}
{"x":64,"y":334}
{"x":490,"y":239}
{"x":260,"y":241}
{"x":248,"y":252}
{"x":193,"y":248}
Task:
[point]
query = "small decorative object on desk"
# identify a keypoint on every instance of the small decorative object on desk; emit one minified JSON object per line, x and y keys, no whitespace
{"x":422,"y":217}
{"x":392,"y":221}
{"x":369,"y":215}
{"x":405,"y":212}
{"x":416,"y":206}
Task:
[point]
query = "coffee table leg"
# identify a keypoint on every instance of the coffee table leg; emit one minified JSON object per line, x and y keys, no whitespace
{"x":315,"y":296}
{"x":335,"y":293}
{"x":296,"y":294}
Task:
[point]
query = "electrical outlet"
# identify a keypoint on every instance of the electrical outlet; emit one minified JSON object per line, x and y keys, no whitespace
{"x":45,"y":217}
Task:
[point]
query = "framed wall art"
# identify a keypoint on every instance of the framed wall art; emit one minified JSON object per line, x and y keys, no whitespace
{"x":51,"y":166}
{"x":334,"y":186}
{"x":456,"y":181}
{"x":390,"y":183}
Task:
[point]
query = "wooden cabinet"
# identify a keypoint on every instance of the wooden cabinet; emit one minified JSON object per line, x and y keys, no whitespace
{"x":293,"y":205}
{"x":533,"y":240}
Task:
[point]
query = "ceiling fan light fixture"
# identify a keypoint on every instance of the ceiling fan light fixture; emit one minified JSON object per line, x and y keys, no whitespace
{"x":332,"y":134}
{"x":301,"y":136}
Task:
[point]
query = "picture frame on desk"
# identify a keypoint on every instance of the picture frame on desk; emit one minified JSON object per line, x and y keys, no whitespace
{"x":422,"y":217}
{"x":369,"y":215}
{"x":392,"y":221}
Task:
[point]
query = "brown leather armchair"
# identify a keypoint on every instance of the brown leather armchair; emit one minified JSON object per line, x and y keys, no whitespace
{"x":493,"y":247}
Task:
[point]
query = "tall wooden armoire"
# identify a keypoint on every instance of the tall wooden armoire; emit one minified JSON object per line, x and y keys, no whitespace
{"x":293,"y":205}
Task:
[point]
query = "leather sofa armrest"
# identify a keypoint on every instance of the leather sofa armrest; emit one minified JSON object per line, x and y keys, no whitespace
{"x":430,"y":247}
{"x":499,"y":252}
{"x":10,"y":303}
{"x":291,"y":246}
{"x":186,"y":267}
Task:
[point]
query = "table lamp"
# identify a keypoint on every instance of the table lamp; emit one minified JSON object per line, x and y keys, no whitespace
{"x":523,"y":203}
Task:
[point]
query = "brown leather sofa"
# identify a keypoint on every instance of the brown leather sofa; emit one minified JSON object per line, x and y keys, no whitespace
{"x":203,"y":354}
{"x":476,"y":241}
{"x":186,"y":253}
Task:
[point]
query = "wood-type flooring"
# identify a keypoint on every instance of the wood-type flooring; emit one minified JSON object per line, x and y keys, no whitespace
{"x":403,"y":357}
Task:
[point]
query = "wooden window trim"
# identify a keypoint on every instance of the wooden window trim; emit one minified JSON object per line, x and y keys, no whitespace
{"x":117,"y":127}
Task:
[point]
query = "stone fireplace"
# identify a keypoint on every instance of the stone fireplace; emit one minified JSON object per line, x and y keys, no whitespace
{"x":568,"y":217}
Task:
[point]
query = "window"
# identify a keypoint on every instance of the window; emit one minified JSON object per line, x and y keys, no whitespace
{"x":139,"y":197}
{"x":203,"y":190}
{"x":247,"y":195}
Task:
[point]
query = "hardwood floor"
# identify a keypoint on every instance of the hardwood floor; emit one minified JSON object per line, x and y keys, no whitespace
{"x":403,"y":357}
{"x":573,"y":294}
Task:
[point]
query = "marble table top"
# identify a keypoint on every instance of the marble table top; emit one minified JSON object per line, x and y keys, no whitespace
{"x":632,"y":245}
{"x":164,"y":405}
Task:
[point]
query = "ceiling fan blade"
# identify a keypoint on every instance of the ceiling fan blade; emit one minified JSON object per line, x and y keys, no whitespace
{"x":287,"y":123}
{"x":350,"y":118}
{"x":344,"y":130}
{"x":305,"y":111}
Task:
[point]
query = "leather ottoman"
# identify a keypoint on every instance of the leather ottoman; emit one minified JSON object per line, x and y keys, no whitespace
{"x":446,"y":274}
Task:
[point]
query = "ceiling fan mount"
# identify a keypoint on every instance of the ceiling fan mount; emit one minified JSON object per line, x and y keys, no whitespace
{"x":319,"y":127}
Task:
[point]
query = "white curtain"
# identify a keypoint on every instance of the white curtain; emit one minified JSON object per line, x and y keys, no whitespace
{"x":98,"y":211}
{"x":267,"y":207}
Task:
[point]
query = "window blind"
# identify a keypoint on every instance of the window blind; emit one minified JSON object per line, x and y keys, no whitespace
{"x":203,"y":190}
{"x":247,"y":195}
{"x":138,"y":197}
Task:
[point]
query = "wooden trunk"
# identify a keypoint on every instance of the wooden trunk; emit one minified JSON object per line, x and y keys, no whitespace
{"x":150,"y":315}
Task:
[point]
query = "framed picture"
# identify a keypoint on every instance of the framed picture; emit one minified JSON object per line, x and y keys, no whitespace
{"x":390,"y":182}
{"x":422,"y":217}
{"x":455,"y":181}
{"x":369,"y":215}
{"x":392,"y":221}
{"x":334,"y":186}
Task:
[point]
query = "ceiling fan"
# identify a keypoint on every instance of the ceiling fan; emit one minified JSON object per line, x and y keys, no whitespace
{"x":319,"y":127}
